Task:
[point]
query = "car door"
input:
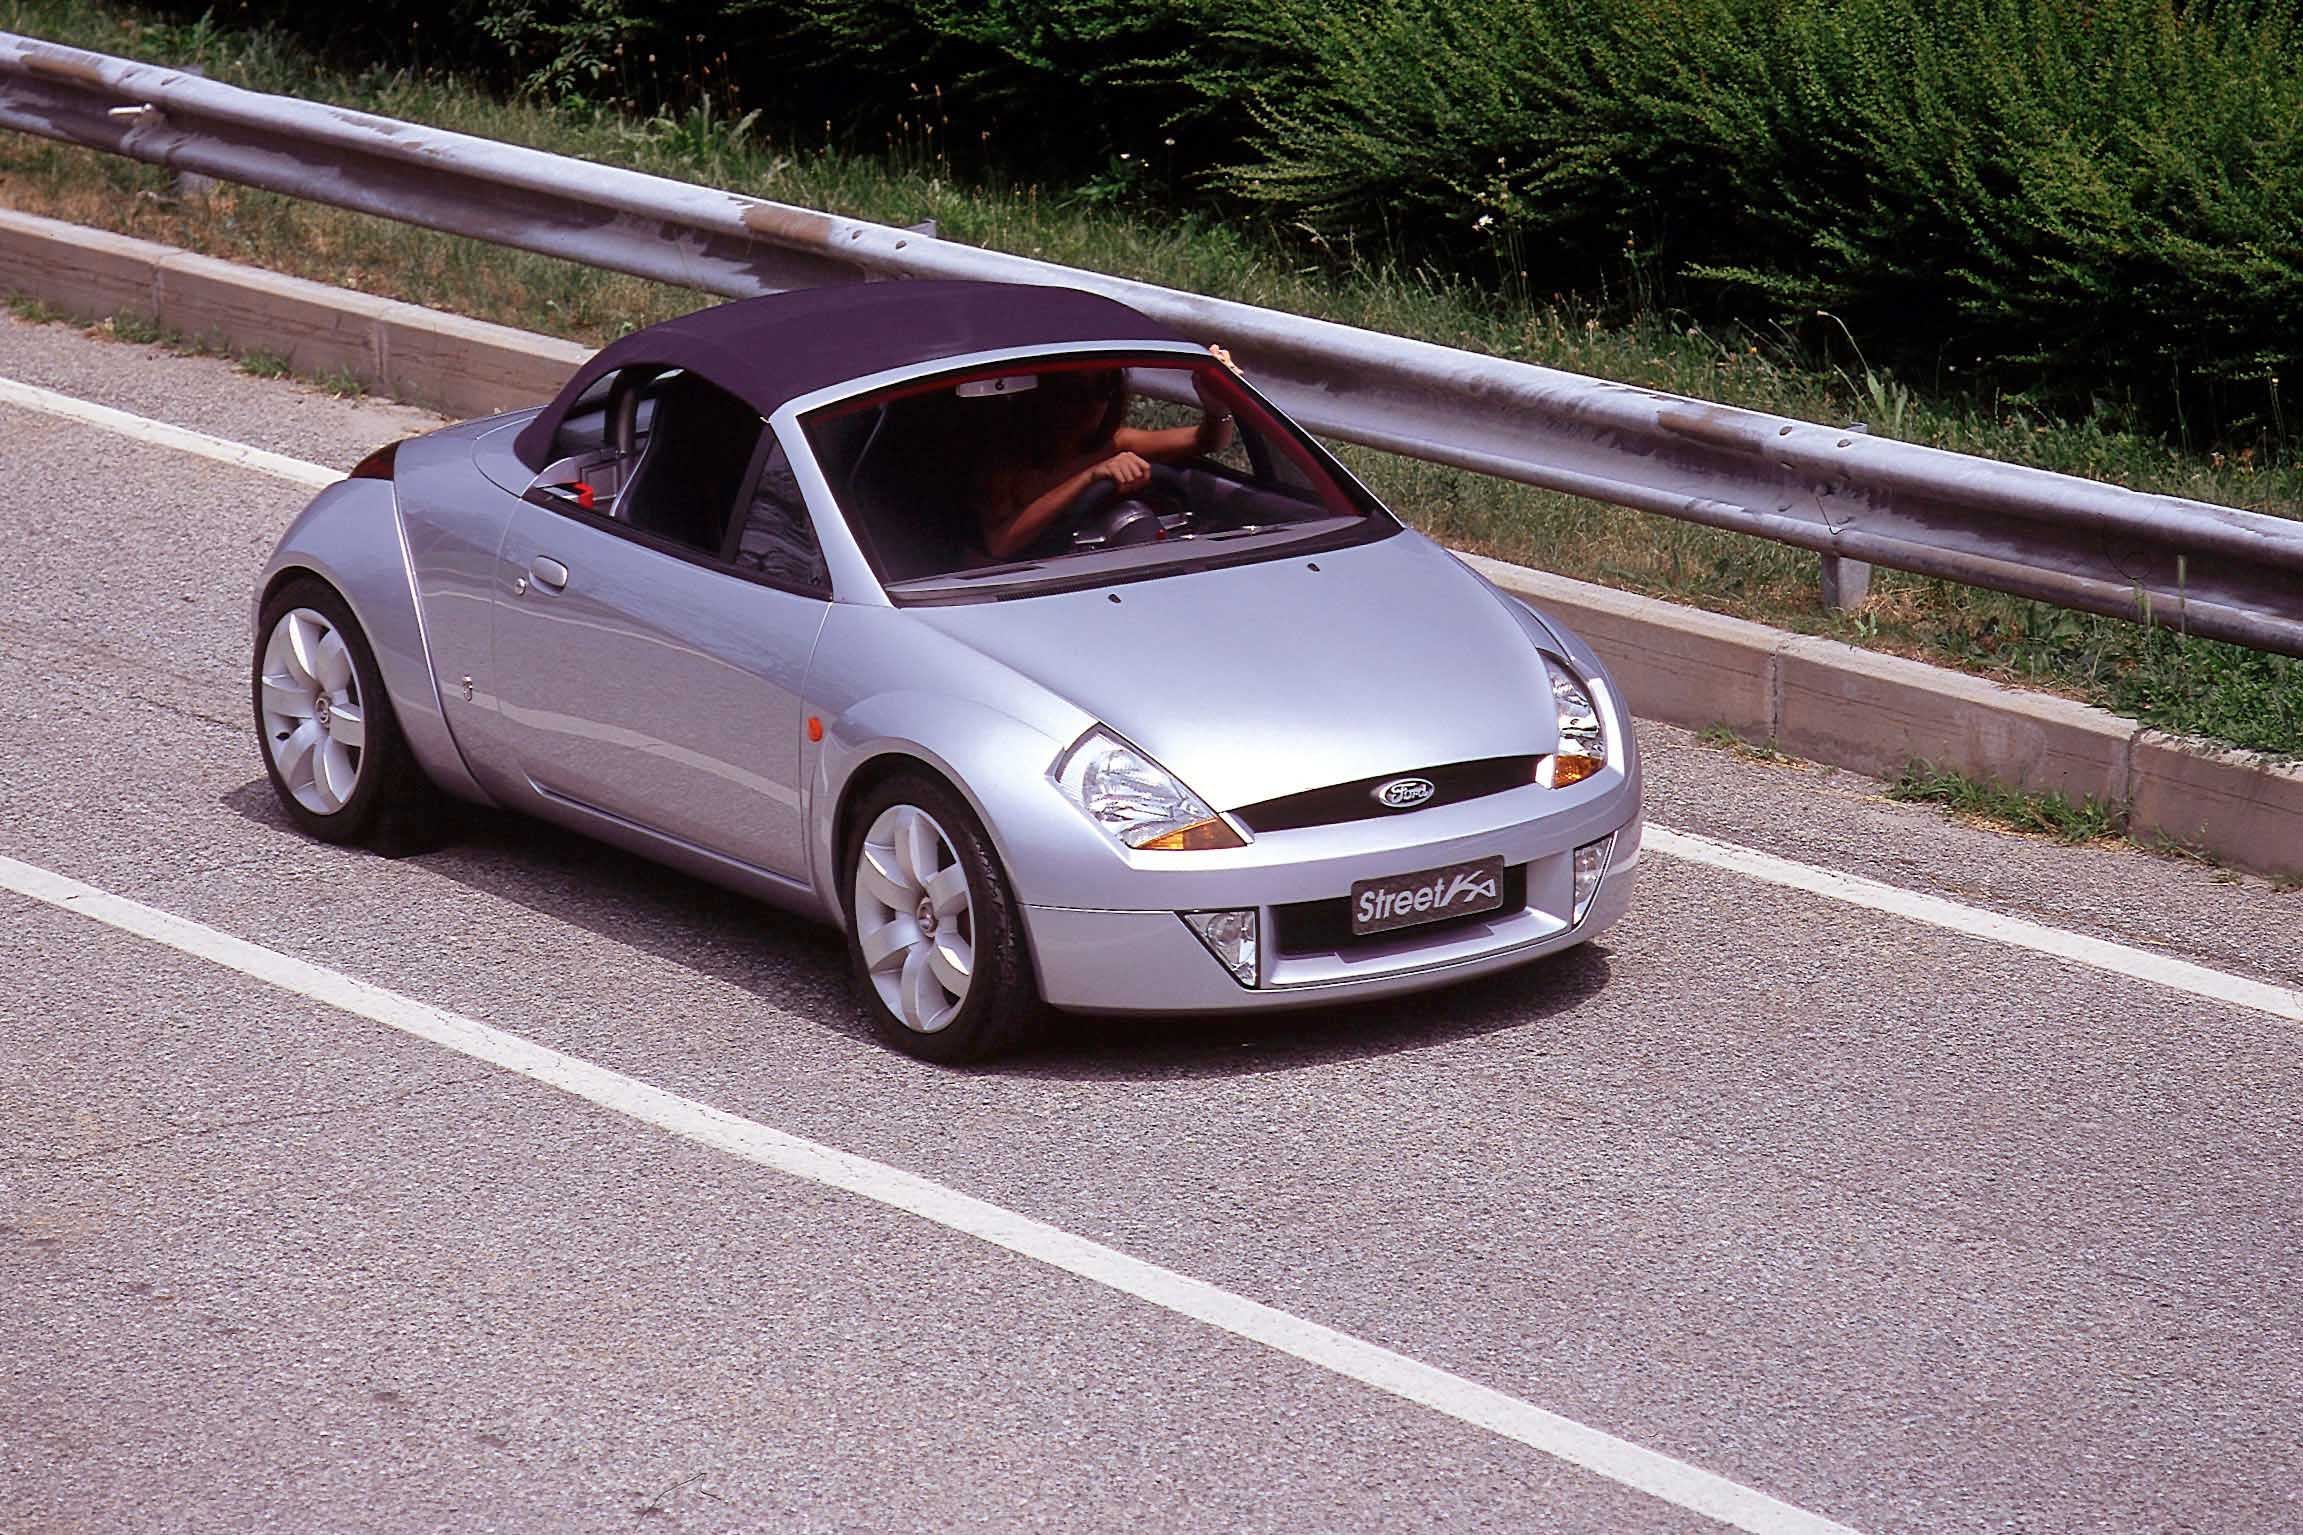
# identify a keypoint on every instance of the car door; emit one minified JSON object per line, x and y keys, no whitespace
{"x":643,"y":669}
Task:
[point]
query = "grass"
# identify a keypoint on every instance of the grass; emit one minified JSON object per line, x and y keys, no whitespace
{"x":2054,"y":816}
{"x":1734,"y":744}
{"x":1982,"y":802}
{"x":264,"y":365}
{"x":144,"y":329}
{"x":24,"y":307}
{"x":2242,"y":697}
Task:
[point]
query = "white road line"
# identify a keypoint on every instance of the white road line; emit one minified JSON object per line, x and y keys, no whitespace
{"x":2117,"y":958}
{"x":1935,"y":911}
{"x":1618,"y":1460}
{"x":181,"y":438}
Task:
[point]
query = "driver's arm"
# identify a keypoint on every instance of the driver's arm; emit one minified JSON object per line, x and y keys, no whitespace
{"x":1008,"y":535}
{"x":1205,"y":440}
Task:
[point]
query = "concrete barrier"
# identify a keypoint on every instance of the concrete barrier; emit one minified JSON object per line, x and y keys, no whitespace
{"x":1821,"y":699}
{"x":1874,"y":713}
{"x":2232,"y":806}
{"x":460,"y":366}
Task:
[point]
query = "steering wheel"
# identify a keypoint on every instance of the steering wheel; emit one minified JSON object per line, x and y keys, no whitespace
{"x":1104,"y":517}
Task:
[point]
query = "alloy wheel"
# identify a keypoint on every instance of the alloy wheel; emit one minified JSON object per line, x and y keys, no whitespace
{"x":315,"y":725}
{"x":915,"y":920}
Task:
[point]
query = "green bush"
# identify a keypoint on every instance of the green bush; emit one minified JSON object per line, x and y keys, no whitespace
{"x":2097,"y":203}
{"x":2093,"y":205}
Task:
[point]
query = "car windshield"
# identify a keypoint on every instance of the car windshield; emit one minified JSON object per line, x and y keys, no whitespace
{"x":1075,"y":471}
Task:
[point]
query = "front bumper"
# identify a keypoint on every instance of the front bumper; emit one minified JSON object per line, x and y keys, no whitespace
{"x":1130,"y":961}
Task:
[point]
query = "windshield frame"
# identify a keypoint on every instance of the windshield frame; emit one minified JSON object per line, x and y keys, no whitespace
{"x":856,"y":579}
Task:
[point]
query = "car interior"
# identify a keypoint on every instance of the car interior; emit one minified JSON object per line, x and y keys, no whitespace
{"x":908,"y":469}
{"x":691,"y":463}
{"x":668,"y":453}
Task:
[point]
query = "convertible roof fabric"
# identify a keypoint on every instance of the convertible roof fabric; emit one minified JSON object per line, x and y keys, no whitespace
{"x":766,"y":351}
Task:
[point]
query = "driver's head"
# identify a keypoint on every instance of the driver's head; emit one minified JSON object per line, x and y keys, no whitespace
{"x":1079,"y":410}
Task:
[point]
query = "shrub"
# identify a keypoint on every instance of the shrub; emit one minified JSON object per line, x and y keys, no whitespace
{"x":2091,"y":204}
{"x":2085,"y":202}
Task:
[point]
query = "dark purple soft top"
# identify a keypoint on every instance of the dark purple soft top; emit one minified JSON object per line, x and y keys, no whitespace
{"x":766,"y":351}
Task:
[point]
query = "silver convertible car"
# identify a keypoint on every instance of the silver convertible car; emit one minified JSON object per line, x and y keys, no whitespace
{"x":1017,"y":635}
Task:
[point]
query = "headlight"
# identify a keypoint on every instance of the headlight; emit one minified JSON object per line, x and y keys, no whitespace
{"x":1582,"y":740}
{"x":1135,"y":799}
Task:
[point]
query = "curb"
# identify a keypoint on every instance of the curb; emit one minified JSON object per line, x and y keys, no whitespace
{"x":1831,"y":702}
{"x":457,"y":366}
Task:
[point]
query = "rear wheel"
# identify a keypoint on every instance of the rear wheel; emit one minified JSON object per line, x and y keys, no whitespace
{"x":332,"y":746}
{"x":933,"y":933}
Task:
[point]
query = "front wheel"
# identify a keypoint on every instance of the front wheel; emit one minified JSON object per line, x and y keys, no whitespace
{"x":332,"y":746}
{"x":933,"y":932}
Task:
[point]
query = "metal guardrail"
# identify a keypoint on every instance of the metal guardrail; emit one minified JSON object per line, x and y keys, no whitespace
{"x":2211,"y":570}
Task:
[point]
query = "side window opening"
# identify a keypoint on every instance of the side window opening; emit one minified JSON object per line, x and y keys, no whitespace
{"x":600,"y":440}
{"x":660,"y":450}
{"x":691,"y":465}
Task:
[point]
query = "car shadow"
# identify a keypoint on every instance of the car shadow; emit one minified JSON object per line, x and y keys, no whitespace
{"x":621,"y":897}
{"x":1149,"y":1048}
{"x":803,"y":966}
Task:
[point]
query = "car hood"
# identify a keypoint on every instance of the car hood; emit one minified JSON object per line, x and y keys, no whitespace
{"x":1269,"y":679}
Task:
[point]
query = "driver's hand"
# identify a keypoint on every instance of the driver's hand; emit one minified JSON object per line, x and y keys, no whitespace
{"x":1128,"y":471}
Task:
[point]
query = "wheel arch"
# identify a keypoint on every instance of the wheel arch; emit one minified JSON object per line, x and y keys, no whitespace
{"x":891,"y":760}
{"x":350,"y":537}
{"x":995,"y":763}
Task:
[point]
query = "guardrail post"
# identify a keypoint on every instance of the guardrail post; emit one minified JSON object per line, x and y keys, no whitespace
{"x":192,"y":183}
{"x":1846,"y":582}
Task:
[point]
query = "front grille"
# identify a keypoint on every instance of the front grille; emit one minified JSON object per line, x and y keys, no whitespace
{"x":1456,"y":782}
{"x":1324,"y":927}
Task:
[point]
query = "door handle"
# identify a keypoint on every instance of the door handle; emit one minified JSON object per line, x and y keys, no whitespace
{"x":548,"y":572}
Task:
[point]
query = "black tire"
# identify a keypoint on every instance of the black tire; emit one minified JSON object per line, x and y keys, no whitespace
{"x":1001,"y":1008}
{"x":393,"y":807}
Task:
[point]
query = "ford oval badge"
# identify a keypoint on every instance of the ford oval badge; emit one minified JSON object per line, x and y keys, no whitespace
{"x":1404,"y":793}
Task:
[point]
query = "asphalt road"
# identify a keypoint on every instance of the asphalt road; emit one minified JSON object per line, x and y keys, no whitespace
{"x":1911,"y":1230}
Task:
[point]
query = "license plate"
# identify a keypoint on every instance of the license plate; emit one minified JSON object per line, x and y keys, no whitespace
{"x":1460,"y":889}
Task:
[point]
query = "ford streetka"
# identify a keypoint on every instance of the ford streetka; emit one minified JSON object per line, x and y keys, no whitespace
{"x":1014,"y":633}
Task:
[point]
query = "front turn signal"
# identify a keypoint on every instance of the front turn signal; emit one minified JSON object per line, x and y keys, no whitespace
{"x":1564,"y":768}
{"x":1198,"y":837}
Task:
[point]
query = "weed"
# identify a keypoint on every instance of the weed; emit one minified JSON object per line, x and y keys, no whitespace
{"x":264,"y":364}
{"x":1729,"y":741}
{"x":29,"y":309}
{"x":343,"y":383}
{"x":2031,"y":812}
{"x":131,"y":326}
